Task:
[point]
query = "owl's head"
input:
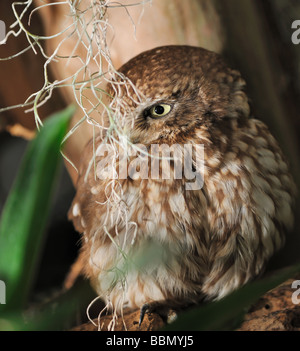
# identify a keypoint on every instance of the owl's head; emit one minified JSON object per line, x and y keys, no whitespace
{"x":180,"y":89}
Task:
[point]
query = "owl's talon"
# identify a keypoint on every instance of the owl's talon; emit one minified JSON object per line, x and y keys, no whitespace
{"x":143,"y":311}
{"x":167,"y":313}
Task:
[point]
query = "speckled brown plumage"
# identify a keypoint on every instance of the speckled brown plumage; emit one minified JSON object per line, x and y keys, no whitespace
{"x":217,"y":238}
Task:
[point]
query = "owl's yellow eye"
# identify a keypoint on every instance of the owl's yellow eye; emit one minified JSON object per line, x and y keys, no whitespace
{"x":159,"y":110}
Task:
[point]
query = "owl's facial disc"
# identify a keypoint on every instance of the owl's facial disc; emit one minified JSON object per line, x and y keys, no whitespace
{"x":171,"y":91}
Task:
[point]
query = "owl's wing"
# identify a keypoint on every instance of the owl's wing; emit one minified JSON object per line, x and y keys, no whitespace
{"x":80,"y":209}
{"x":93,"y":187}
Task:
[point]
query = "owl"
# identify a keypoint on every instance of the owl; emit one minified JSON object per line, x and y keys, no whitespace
{"x":208,"y":239}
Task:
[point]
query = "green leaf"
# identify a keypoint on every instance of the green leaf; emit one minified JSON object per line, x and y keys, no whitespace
{"x":26,"y":210}
{"x":228,"y":313}
{"x":58,"y":314}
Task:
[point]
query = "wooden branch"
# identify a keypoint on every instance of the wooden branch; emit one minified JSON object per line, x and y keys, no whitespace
{"x":273,"y":311}
{"x":151,"y":322}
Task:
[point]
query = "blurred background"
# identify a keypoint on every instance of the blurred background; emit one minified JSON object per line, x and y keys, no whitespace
{"x":62,"y":241}
{"x":254,"y":36}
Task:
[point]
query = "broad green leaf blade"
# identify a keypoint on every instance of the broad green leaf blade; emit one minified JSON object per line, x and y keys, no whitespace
{"x":58,"y":314}
{"x":228,"y":313}
{"x":25,"y":213}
